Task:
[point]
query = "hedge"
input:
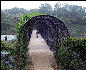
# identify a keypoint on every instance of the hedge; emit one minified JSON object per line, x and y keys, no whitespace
{"x":71,"y":55}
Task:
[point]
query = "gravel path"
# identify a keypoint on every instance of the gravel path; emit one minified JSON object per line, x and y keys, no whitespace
{"x":42,"y":56}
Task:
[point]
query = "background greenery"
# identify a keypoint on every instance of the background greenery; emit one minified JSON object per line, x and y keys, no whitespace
{"x":73,"y":16}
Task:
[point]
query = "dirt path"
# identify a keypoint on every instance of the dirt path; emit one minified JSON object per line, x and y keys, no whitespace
{"x":42,"y":56}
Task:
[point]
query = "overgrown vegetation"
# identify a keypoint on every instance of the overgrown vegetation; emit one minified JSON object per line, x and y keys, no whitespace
{"x":24,"y":36}
{"x":8,"y":61}
{"x":71,"y":55}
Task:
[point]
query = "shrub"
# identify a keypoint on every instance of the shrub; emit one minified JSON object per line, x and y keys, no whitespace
{"x":72,"y":54}
{"x":5,"y":58}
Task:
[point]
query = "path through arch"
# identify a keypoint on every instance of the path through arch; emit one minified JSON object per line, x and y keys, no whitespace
{"x":42,"y":56}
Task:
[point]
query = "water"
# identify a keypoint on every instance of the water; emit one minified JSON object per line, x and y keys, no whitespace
{"x":9,"y":37}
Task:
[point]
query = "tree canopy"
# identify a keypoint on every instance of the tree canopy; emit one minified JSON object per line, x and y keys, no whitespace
{"x":71,"y":15}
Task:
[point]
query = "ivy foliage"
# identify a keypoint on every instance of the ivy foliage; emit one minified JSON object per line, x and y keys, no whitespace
{"x":24,"y":18}
{"x":72,"y":54}
{"x":26,"y":32}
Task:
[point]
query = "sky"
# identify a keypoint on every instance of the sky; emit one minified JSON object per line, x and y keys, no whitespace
{"x":35,"y":4}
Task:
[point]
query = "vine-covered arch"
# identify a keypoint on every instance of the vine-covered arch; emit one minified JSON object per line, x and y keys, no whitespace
{"x":51,"y":29}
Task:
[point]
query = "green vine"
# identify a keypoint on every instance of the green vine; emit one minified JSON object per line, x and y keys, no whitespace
{"x":24,"y":37}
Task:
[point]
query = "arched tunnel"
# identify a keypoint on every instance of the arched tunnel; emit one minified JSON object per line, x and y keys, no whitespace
{"x":51,"y":29}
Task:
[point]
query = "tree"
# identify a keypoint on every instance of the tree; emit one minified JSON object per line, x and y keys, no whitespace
{"x":22,"y":10}
{"x":33,"y":11}
{"x":57,"y":9}
{"x":45,"y":8}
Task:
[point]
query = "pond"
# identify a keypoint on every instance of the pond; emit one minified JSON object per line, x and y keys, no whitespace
{"x":9,"y":37}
